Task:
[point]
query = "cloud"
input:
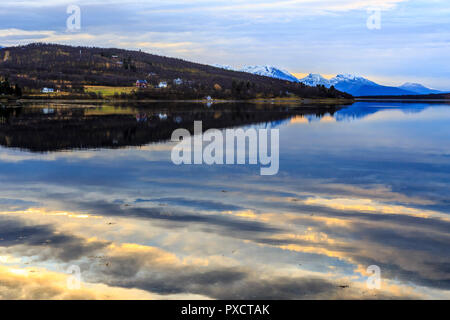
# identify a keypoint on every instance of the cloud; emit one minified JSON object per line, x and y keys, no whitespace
{"x":302,"y":234}
{"x":41,"y":284}
{"x":43,"y":240}
{"x":235,"y":5}
{"x":193,"y":203}
{"x":156,"y":271}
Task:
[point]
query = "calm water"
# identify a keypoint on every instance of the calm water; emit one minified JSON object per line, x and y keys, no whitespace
{"x":93,"y":187}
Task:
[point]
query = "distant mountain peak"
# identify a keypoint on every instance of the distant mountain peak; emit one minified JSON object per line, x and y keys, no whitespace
{"x":314,"y":79}
{"x":346,"y":77}
{"x":412,"y":85}
{"x":341,"y":80}
{"x":269,"y":71}
{"x":350,"y":83}
{"x":353,"y":84}
{"x":418,"y":88}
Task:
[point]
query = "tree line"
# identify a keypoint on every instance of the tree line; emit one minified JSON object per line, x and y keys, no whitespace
{"x":7,"y":89}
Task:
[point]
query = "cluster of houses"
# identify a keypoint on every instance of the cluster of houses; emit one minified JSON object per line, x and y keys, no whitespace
{"x":143,"y":84}
{"x":163,"y":84}
{"x":47,"y":90}
{"x":144,"y":117}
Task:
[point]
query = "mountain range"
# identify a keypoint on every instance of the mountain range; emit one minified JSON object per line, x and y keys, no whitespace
{"x":354,"y":85}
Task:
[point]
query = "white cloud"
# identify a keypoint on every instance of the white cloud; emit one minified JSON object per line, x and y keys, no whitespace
{"x":219,"y":5}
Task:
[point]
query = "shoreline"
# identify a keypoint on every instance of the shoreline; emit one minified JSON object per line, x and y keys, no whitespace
{"x":307,"y":101}
{"x":300,"y":101}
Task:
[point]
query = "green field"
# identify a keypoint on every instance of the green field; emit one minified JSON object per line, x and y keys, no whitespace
{"x":108,"y":91}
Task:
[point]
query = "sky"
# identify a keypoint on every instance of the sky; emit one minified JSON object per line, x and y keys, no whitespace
{"x":410,"y":44}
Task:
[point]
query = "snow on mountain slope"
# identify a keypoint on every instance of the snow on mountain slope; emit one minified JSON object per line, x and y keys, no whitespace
{"x":269,"y":71}
{"x":418,"y":88}
{"x":314,"y":80}
{"x":226,"y":67}
{"x":355,"y":85}
{"x":352,"y":84}
{"x":349,"y":78}
{"x":340,"y":79}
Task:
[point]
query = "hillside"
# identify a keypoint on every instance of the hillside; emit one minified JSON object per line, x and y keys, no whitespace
{"x":71,"y":69}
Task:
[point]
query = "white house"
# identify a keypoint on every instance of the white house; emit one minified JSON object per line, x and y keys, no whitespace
{"x":178,"y":81}
{"x":47,"y":90}
{"x":48,"y":111}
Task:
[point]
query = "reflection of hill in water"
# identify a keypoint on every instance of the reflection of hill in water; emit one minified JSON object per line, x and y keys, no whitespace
{"x":56,"y":127}
{"x":361,"y":110}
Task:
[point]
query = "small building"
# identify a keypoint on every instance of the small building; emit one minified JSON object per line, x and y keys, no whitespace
{"x":47,"y":90}
{"x":162,"y":84}
{"x":178,"y":81}
{"x":141,"y":117}
{"x":48,"y":111}
{"x":141,"y":83}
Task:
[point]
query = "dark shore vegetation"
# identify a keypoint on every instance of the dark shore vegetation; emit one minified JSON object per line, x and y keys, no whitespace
{"x":6,"y":89}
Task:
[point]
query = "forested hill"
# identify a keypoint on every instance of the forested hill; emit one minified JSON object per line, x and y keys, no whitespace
{"x":70,"y":69}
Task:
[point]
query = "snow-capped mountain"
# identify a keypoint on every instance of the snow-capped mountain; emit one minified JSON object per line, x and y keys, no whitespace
{"x":340,"y":79}
{"x":350,"y":79}
{"x":352,"y":84}
{"x":313,"y":80}
{"x":418,"y":88}
{"x":359,"y":86}
{"x":226,"y":67}
{"x":269,"y":71}
{"x":355,"y":85}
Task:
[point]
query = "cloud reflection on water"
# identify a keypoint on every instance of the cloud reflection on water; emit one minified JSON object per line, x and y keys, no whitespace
{"x":140,"y":227}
